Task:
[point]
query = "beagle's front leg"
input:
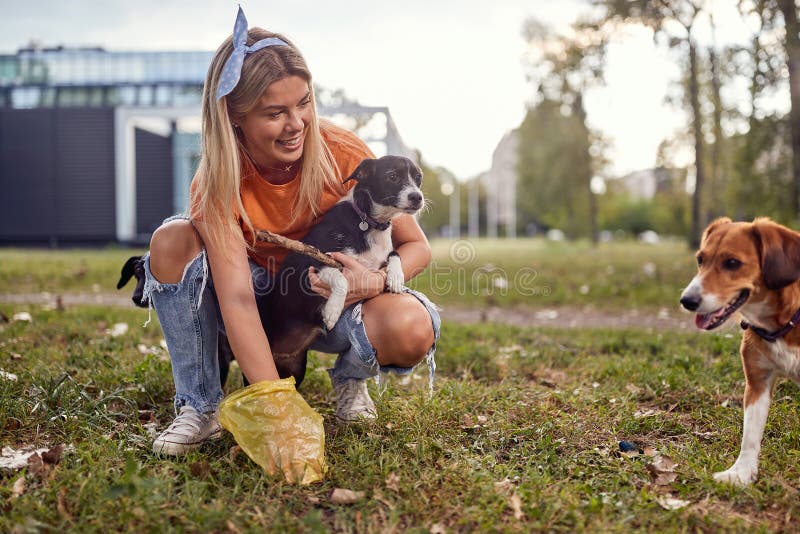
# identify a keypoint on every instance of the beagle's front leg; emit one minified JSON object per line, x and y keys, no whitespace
{"x":757,"y":399}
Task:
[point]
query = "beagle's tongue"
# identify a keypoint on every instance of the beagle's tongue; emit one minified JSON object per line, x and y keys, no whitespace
{"x":703,"y":322}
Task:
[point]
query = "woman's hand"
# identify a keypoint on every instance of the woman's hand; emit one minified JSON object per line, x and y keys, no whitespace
{"x":362,"y":283}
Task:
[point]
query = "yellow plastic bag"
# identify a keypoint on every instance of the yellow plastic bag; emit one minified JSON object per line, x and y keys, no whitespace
{"x":277,"y":429}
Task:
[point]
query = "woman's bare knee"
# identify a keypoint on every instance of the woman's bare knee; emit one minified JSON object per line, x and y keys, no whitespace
{"x":172,"y":246}
{"x":403,"y":337}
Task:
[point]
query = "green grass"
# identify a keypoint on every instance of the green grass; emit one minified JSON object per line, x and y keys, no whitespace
{"x":537,"y":273}
{"x":537,"y":414}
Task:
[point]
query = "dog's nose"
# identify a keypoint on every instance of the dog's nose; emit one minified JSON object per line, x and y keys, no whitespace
{"x":691,"y":302}
{"x":415,"y":199}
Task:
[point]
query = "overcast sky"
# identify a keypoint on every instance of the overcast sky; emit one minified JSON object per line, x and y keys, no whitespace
{"x":450,"y":71}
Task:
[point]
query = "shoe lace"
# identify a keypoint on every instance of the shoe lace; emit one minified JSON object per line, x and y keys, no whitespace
{"x":188,"y":422}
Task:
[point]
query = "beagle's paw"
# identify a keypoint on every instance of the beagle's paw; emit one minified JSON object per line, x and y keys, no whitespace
{"x":737,"y":476}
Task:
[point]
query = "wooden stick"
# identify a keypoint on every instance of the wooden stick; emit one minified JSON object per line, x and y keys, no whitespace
{"x":298,"y":246}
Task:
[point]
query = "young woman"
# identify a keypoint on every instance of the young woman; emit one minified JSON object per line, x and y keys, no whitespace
{"x":268,"y":162}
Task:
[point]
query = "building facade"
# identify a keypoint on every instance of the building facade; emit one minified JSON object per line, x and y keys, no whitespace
{"x":99,"y":146}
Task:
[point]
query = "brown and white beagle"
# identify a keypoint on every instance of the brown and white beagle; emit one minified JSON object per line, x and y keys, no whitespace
{"x":752,"y":268}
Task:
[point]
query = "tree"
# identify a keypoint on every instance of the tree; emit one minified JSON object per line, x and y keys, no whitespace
{"x":563,"y":67}
{"x":553,"y":172}
{"x":664,"y":16}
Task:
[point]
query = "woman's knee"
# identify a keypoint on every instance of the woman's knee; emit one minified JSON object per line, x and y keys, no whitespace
{"x":408,"y":336}
{"x":173,"y":245}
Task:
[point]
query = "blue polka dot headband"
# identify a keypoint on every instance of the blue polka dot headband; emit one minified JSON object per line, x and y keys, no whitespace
{"x":232,"y":69}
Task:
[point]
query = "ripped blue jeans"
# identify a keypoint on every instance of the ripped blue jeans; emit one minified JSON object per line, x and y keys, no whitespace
{"x":191,"y":321}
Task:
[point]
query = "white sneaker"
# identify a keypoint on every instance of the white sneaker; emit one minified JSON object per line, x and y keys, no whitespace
{"x":189,"y":429}
{"x":353,"y":401}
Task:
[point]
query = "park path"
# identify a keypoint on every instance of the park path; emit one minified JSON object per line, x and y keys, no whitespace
{"x":657,"y":319}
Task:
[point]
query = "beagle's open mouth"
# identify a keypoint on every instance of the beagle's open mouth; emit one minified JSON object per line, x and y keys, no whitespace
{"x":712,"y":320}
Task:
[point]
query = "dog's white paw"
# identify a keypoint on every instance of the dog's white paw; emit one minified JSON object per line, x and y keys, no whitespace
{"x":331,"y":314}
{"x":737,"y":476}
{"x":395,"y":281}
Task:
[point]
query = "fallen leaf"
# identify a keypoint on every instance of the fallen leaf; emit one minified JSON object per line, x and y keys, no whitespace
{"x":35,"y":464}
{"x":392,"y":481}
{"x":633,"y":389}
{"x":650,"y":451}
{"x":313,"y":499}
{"x":639,"y":414}
{"x":13,"y":459}
{"x":234,"y":452}
{"x":22,"y":316}
{"x":504,"y":485}
{"x":438,"y":528}
{"x":516,"y":506}
{"x":346,"y":496}
{"x":11,"y":377}
{"x":200,"y":469}
{"x":16,"y":355}
{"x":671,"y":503}
{"x":117,"y":330}
{"x":662,"y":469}
{"x":411,"y":446}
{"x":232,"y":527}
{"x":53,"y":455}
{"x":18,"y":488}
{"x":61,"y":504}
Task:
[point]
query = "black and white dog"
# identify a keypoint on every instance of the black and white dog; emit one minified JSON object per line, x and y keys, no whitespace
{"x":359,"y":225}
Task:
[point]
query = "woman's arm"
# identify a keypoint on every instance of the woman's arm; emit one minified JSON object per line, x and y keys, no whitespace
{"x":233,"y":285}
{"x":410,"y":242}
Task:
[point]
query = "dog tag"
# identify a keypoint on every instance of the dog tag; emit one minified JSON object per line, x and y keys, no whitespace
{"x":363,"y":226}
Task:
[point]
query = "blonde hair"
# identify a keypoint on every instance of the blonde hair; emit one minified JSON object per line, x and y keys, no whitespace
{"x":218,"y":178}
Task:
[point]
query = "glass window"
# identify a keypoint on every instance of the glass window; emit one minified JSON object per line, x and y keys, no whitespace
{"x":163,"y":95}
{"x":25,"y":97}
{"x":145,"y":95}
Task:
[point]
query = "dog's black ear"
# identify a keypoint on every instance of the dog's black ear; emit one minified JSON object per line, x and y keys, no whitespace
{"x":128,"y":270}
{"x":364,"y":169}
{"x":779,"y":248}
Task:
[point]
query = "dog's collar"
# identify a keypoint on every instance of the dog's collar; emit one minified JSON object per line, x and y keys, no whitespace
{"x":777,"y":334}
{"x":368,"y":222}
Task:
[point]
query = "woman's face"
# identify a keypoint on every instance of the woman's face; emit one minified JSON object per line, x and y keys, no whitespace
{"x":275,"y":129}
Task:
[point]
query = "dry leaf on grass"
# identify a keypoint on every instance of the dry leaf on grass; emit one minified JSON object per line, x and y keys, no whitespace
{"x":438,"y":528}
{"x":53,"y":455}
{"x":61,"y":504}
{"x":633,"y":389}
{"x":671,"y":503}
{"x":516,"y":505}
{"x":200,"y":469}
{"x":392,"y":482}
{"x":117,"y":330}
{"x":346,"y":496}
{"x":18,"y":488}
{"x":22,"y":316}
{"x":662,"y":469}
{"x":11,"y":377}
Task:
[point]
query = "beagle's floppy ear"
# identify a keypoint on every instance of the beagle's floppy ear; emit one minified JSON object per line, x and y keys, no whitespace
{"x":364,"y":169}
{"x":779,"y":248}
{"x":716,"y":223}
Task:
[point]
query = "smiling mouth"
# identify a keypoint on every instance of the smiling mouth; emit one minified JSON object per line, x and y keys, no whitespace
{"x":292,"y":143}
{"x":709,"y":321}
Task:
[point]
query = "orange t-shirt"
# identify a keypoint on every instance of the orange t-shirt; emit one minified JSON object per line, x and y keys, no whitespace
{"x":269,"y":206}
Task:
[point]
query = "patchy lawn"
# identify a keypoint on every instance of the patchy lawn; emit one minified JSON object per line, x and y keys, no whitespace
{"x":522,"y":434}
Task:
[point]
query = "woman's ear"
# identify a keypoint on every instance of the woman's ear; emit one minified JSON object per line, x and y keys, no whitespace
{"x":364,"y":170}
